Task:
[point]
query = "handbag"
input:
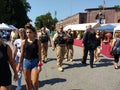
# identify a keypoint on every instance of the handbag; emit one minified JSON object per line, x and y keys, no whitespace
{"x":114,"y":50}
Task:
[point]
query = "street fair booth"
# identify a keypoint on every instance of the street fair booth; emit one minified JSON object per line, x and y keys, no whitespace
{"x":4,"y":26}
{"x":106,"y":27}
{"x":79,"y":29}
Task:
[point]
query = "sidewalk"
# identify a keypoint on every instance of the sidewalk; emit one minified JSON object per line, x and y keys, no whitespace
{"x":77,"y":76}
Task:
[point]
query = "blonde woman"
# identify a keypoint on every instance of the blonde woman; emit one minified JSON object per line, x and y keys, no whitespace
{"x":17,"y":52}
{"x":116,"y":45}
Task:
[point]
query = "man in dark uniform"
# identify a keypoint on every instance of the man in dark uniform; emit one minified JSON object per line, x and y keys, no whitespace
{"x":89,"y":43}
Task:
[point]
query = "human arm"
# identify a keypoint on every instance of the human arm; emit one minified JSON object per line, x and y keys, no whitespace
{"x":21,"y":55}
{"x":39,"y":57}
{"x":84,"y":41}
{"x":12,"y":62}
{"x":15,"y":51}
{"x":112,"y":44}
{"x":53,"y":41}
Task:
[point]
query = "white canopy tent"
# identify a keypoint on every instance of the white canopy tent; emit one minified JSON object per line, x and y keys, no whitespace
{"x":117,"y":28}
{"x":4,"y":26}
{"x":80,"y":27}
{"x":13,"y":27}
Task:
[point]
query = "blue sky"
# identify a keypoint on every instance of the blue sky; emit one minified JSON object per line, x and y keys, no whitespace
{"x":64,"y":8}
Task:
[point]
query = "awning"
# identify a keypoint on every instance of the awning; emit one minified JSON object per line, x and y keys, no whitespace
{"x":13,"y":27}
{"x":80,"y":27}
{"x":107,"y":27}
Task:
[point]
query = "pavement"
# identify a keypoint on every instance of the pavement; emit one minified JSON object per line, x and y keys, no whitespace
{"x":77,"y":76}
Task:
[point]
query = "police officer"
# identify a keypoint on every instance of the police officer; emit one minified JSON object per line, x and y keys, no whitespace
{"x":69,"y":46}
{"x":60,"y":40}
{"x":44,"y":38}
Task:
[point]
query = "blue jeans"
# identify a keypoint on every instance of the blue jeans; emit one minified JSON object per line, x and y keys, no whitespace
{"x":29,"y":64}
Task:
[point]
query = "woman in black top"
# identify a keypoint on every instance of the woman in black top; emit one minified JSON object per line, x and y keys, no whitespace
{"x":30,"y":58}
{"x":98,"y":46}
{"x":5,"y":72}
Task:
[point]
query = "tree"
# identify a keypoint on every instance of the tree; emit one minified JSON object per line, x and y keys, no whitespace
{"x":14,"y":12}
{"x":45,"y":20}
{"x":117,"y":8}
{"x":100,"y":7}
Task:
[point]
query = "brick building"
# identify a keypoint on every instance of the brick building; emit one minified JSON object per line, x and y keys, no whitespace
{"x":75,"y":19}
{"x":108,"y":15}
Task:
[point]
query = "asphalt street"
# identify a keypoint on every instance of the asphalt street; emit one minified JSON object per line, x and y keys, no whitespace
{"x":76,"y":76}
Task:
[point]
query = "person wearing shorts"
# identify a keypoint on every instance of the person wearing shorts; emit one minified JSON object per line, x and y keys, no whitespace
{"x":30,"y":58}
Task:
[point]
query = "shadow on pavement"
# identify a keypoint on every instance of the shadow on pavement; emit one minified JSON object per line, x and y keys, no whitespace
{"x":50,"y":59}
{"x":104,"y":63}
{"x":74,"y":65}
{"x":101,"y":63}
{"x":14,"y":87}
{"x":51,"y":81}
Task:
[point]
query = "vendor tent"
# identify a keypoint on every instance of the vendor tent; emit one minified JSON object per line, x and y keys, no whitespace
{"x":4,"y":26}
{"x":117,"y":28}
{"x":107,"y":27}
{"x":13,"y":27}
{"x":80,"y":27}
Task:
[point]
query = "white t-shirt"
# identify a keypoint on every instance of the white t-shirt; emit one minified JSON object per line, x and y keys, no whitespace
{"x":17,"y":43}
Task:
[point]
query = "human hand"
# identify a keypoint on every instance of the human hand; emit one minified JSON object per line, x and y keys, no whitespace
{"x":53,"y":48}
{"x":18,"y":68}
{"x":15,"y":77}
{"x":39,"y":69}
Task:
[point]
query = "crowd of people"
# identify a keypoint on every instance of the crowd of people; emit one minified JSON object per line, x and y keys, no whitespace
{"x":31,"y":49}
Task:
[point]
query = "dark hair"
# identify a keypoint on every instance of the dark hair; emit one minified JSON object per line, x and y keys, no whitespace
{"x":29,"y":26}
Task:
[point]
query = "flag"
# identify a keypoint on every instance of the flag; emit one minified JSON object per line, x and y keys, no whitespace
{"x":104,"y":4}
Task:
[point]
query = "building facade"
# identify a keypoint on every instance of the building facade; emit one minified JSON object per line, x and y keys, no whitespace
{"x":75,"y":19}
{"x":106,"y":15}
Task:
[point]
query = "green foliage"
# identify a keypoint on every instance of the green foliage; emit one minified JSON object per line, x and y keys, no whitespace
{"x":45,"y":20}
{"x":14,"y":12}
{"x":100,"y":7}
{"x":117,"y":8}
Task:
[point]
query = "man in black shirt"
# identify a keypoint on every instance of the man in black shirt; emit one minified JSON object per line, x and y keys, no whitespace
{"x":89,"y":44}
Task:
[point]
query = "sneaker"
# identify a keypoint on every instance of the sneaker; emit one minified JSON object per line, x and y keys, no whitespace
{"x":60,"y":69}
{"x":66,"y":60}
{"x":71,"y":60}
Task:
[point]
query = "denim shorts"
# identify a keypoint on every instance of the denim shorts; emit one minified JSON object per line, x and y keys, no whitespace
{"x":29,"y":64}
